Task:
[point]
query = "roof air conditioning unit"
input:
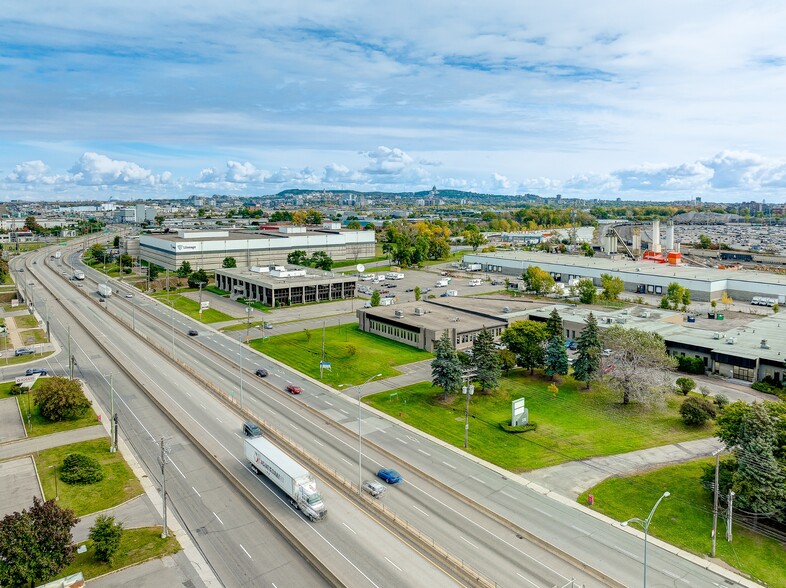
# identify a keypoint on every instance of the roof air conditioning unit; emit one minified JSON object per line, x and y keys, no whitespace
{"x":731,"y":340}
{"x":399,"y":314}
{"x":419,"y":311}
{"x":764,"y":344}
{"x":716,"y":335}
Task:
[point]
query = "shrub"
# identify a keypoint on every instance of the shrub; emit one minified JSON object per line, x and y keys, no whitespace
{"x":16,"y":389}
{"x":507,"y":427}
{"x":762,"y":387}
{"x":691,"y":365}
{"x":81,"y":469}
{"x":697,"y":411}
{"x":721,"y":400}
{"x":685,"y":384}
{"x":106,"y":534}
{"x":61,"y":399}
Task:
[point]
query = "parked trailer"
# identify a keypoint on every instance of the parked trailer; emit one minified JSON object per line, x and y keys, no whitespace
{"x":474,"y":267}
{"x":292,"y":478}
{"x":104,"y":290}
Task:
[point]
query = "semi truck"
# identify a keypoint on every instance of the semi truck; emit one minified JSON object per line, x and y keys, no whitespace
{"x":474,"y":267}
{"x":58,"y":255}
{"x":292,"y":478}
{"x":79,"y":275}
{"x":104,"y":290}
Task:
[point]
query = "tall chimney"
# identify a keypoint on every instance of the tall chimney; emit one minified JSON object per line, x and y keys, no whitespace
{"x":670,"y":236}
{"x":656,"y":236}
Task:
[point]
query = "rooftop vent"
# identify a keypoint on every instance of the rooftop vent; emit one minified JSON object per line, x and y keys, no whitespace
{"x":716,"y":335}
{"x":764,"y":344}
{"x":731,"y":340}
{"x":399,"y":314}
{"x":419,"y":311}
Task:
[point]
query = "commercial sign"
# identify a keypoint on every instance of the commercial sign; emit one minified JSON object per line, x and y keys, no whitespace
{"x":204,"y":305}
{"x":27,"y":381}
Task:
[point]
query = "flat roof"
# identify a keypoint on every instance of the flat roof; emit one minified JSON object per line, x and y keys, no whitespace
{"x":243,"y":234}
{"x":436,"y":317}
{"x":266,"y":279}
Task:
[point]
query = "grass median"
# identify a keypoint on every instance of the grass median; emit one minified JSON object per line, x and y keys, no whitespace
{"x":684,"y":519}
{"x":354,"y":355}
{"x":576,"y":424}
{"x":190,"y":308}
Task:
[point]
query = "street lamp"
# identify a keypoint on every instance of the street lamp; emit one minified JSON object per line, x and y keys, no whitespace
{"x":360,"y":431}
{"x":54,"y":471}
{"x":646,"y":526}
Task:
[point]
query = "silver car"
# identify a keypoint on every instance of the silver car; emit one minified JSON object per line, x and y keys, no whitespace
{"x":374,"y":488}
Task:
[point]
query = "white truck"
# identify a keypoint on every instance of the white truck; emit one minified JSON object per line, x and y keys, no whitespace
{"x":475,"y":282}
{"x":79,"y":275}
{"x":451,"y":293}
{"x":58,"y":255}
{"x":292,"y":478}
{"x":442,"y":282}
{"x":104,"y":290}
{"x":394,"y":276}
{"x":474,"y":267}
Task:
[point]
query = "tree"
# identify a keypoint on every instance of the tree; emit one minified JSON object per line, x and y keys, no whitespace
{"x":35,"y":544}
{"x":525,"y":339}
{"x":199,"y":276}
{"x":556,"y":358}
{"x":417,"y":293}
{"x":446,"y":367}
{"x":153,"y":271}
{"x":474,"y":238}
{"x":229,"y":262}
{"x":97,"y":252}
{"x":486,"y":360}
{"x":507,"y":359}
{"x":321,"y":260}
{"x":537,"y":280}
{"x":726,"y":300}
{"x":105,"y":535}
{"x":590,"y":349}
{"x":697,"y":411}
{"x":587,"y":249}
{"x":685,"y":384}
{"x":126,"y":262}
{"x":704,"y":241}
{"x":639,"y":366}
{"x":32,"y":224}
{"x":159,"y":220}
{"x":313,"y":217}
{"x":354,"y":225}
{"x":375,"y":298}
{"x":297,"y":257}
{"x":79,"y":469}
{"x":612,"y":287}
{"x":554,"y":326}
{"x":586,"y":291}
{"x":60,"y":399}
{"x":116,"y":241}
{"x":184,"y":270}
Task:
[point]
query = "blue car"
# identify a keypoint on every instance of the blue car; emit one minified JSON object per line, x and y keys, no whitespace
{"x":389,"y":476}
{"x":33,"y":371}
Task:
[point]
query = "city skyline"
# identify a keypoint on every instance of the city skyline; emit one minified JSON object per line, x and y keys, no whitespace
{"x":659,"y":103}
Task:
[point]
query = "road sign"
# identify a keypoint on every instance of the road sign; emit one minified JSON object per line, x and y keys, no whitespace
{"x":325,"y":365}
{"x":204,"y":305}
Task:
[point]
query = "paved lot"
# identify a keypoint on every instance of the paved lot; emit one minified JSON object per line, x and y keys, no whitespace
{"x":19,"y":481}
{"x":167,"y":571}
{"x":11,"y":425}
{"x":137,"y":512}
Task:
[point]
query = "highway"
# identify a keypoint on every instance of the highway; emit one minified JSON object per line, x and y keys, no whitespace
{"x":238,"y":542}
{"x":435,"y":475}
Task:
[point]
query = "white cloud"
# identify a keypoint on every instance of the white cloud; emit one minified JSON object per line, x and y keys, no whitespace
{"x":94,"y":169}
{"x":387,"y":161}
{"x":31,"y":172}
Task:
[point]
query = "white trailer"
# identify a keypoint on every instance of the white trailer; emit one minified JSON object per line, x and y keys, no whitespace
{"x":104,"y":290}
{"x":58,"y":255}
{"x":442,"y":282}
{"x":474,"y":267}
{"x":292,"y":478}
{"x":79,"y":275}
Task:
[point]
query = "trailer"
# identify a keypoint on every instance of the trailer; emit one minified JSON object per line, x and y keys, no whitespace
{"x":292,"y":478}
{"x":104,"y":290}
{"x":474,"y":267}
{"x":79,"y":275}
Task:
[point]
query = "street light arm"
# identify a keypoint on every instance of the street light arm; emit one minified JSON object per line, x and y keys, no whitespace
{"x":652,"y":512}
{"x":641,"y":522}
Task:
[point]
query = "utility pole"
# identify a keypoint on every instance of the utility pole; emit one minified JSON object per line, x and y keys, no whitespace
{"x":715,"y":501}
{"x":70,"y":357}
{"x":112,"y":416}
{"x":468,"y":390}
{"x":728,"y":517}
{"x":200,"y":300}
{"x":163,"y":460}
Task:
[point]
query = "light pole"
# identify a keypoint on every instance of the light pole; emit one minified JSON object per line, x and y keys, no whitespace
{"x":54,"y":471}
{"x":248,"y":321}
{"x":360,"y":432}
{"x":646,"y":526}
{"x":200,"y":299}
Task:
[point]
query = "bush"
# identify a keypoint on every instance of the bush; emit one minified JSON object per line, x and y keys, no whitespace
{"x":685,"y":384}
{"x":61,"y":399}
{"x":81,"y":469}
{"x":721,"y":400}
{"x":518,"y":428}
{"x":697,"y":411}
{"x":16,"y":389}
{"x":691,"y":365}
{"x":105,"y":535}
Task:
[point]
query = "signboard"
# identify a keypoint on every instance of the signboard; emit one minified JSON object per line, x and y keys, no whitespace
{"x":204,"y":305}
{"x":14,"y":302}
{"x":324,"y":365}
{"x":26,"y":381}
{"x":520,"y":415}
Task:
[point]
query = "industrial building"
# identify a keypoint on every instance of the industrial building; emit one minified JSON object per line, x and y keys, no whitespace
{"x":421,"y":324}
{"x":283,"y":286}
{"x":645,"y":277}
{"x":263,"y":247}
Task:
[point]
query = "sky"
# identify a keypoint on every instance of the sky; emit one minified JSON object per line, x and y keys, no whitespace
{"x":149,"y":99}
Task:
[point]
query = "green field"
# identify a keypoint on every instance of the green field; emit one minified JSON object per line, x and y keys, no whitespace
{"x":191,"y":308}
{"x":38,"y":336}
{"x":9,"y":308}
{"x":575,"y":425}
{"x":26,"y":321}
{"x":684,"y":519}
{"x":136,"y":546}
{"x":372,"y":354}
{"x":118,"y":485}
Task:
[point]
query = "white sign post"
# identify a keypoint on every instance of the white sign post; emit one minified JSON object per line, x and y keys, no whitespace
{"x":520,"y":415}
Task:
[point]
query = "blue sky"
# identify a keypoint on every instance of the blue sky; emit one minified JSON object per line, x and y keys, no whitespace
{"x":607,"y":99}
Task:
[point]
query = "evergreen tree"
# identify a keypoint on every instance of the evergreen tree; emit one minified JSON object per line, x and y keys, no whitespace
{"x":375,"y":298}
{"x":556,"y":358}
{"x":486,"y":359}
{"x":229,"y":262}
{"x":589,"y":349}
{"x":184,"y":270}
{"x":446,"y":367}
{"x":554,"y":326}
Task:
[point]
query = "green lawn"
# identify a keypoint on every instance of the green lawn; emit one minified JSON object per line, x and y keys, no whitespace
{"x":118,"y":486}
{"x":372,"y":354}
{"x":216,"y":290}
{"x":136,"y":546}
{"x":353,"y":263}
{"x":38,"y":336}
{"x":26,"y":321}
{"x":13,"y":360}
{"x":9,"y":308}
{"x":684,"y":519}
{"x":191,"y":308}
{"x":575,"y":425}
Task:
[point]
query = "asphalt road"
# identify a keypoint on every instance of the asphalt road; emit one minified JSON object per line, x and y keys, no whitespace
{"x":494,"y":550}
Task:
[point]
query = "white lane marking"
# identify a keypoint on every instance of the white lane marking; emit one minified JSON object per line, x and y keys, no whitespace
{"x":293,"y":426}
{"x":219,"y":520}
{"x":391,"y":563}
{"x":203,"y":406}
{"x":238,"y":436}
{"x":626,"y":552}
{"x":424,"y":452}
{"x":580,"y":530}
{"x":350,"y":528}
{"x":318,"y":443}
{"x":478,"y":480}
{"x":219,"y":420}
{"x":670,"y":573}
{"x":449,"y":465}
{"x":328,"y":403}
{"x":411,"y":438}
{"x":188,"y":394}
{"x":344,"y":411}
{"x":508,"y":495}
{"x":543,"y":512}
{"x":421,"y":510}
{"x":526,"y":579}
{"x":247,"y":553}
{"x":177,"y":468}
{"x":197,"y":491}
{"x":401,"y":440}
{"x":468,"y":541}
{"x":346,"y":460}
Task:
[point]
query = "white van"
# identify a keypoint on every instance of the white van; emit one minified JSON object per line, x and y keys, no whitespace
{"x":451,"y":293}
{"x":475,"y":282}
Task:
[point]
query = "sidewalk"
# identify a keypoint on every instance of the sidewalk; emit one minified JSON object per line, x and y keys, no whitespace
{"x":35,"y":444}
{"x":572,"y":478}
{"x":137,"y":512}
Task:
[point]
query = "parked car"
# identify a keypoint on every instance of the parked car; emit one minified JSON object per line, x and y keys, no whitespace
{"x":388,"y":475}
{"x":374,"y":488}
{"x":23,"y":351}
{"x":33,"y":371}
{"x":193,"y":333}
{"x":292,"y":389}
{"x":251,"y":429}
{"x":409,"y":290}
{"x":261,"y":372}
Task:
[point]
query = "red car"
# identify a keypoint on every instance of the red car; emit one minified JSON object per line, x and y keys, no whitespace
{"x":292,"y":389}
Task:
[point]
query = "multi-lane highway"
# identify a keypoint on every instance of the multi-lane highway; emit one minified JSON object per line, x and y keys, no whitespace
{"x":479,"y":514}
